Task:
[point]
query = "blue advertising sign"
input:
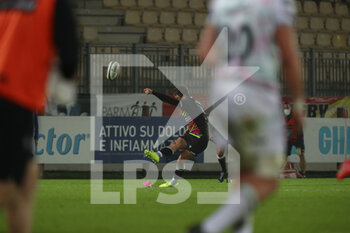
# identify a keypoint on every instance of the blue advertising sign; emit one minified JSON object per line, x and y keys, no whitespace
{"x":125,"y":138}
{"x":64,"y":140}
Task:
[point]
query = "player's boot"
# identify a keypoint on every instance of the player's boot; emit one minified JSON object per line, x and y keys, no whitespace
{"x":302,"y":175}
{"x":344,"y":170}
{"x":223,"y":176}
{"x":152,"y":155}
{"x":167,"y":185}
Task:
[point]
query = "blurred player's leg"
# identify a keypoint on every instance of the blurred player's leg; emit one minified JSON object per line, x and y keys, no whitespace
{"x":253,"y":190}
{"x":259,"y":174}
{"x":344,"y":170}
{"x":18,"y":173}
{"x":232,"y":214}
{"x":18,"y":204}
{"x":245,"y":226}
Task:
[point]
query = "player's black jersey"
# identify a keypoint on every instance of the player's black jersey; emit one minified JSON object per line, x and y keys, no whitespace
{"x":192,"y":111}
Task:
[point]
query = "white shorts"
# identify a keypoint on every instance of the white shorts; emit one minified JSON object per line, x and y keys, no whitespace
{"x":254,"y":126}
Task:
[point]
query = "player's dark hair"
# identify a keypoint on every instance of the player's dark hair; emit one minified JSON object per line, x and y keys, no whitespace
{"x":181,"y":91}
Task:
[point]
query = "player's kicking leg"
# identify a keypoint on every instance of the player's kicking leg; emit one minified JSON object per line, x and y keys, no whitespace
{"x":178,"y":144}
{"x":344,"y":170}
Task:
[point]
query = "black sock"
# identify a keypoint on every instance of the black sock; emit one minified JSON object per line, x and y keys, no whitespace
{"x":222,"y":162}
{"x":180,"y":172}
{"x":166,"y":151}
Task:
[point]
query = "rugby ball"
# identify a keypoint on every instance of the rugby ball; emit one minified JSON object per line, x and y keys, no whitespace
{"x":113,"y":70}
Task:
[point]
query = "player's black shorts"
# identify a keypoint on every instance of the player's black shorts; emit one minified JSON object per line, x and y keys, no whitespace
{"x":290,"y":145}
{"x":194,"y":144}
{"x":16,"y":140}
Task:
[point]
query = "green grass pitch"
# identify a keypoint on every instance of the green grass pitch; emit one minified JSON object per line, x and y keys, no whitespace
{"x":300,"y":206}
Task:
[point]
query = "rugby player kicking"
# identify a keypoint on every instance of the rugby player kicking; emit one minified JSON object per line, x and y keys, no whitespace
{"x":196,"y":137}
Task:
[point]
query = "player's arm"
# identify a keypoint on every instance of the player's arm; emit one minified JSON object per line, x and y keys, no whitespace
{"x":212,"y":107}
{"x":162,"y":97}
{"x":207,"y":39}
{"x":286,"y":40}
{"x":36,"y":128}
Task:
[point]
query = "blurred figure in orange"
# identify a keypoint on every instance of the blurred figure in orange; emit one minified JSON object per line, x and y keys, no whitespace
{"x":32,"y":34}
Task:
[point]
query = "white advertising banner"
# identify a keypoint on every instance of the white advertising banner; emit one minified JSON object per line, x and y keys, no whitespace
{"x":64,"y":140}
{"x":327,"y":140}
{"x":129,"y":105}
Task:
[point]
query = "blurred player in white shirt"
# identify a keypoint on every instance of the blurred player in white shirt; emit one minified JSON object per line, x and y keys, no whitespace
{"x":260,"y":33}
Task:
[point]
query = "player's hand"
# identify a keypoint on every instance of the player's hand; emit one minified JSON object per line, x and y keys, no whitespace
{"x":36,"y":142}
{"x":298,"y":114}
{"x":148,"y":91}
{"x":299,"y":151}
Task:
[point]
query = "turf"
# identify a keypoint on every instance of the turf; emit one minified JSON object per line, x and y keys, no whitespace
{"x":304,"y":205}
